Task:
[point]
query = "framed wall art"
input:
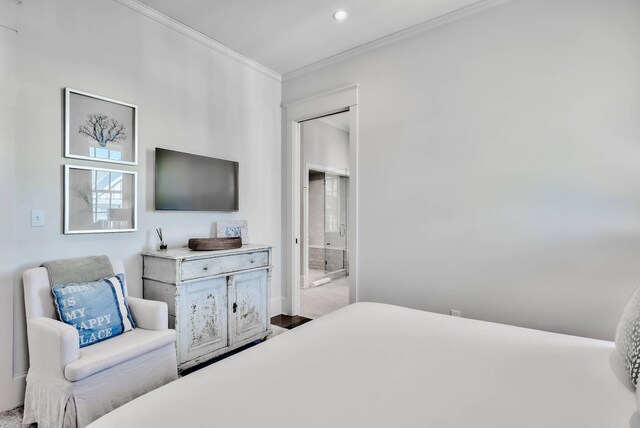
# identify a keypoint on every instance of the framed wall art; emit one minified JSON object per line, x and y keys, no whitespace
{"x":98,"y":200}
{"x":100,"y":129}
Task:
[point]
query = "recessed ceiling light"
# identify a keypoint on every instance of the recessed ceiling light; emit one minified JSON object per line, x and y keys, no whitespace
{"x":340,"y":15}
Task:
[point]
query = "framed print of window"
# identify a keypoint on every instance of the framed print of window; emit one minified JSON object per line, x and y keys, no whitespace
{"x":98,"y":200}
{"x":99,"y":128}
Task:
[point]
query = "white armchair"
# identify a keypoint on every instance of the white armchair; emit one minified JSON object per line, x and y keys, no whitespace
{"x":69,"y":386}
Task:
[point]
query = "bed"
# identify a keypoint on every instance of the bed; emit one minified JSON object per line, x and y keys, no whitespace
{"x":376,"y":365}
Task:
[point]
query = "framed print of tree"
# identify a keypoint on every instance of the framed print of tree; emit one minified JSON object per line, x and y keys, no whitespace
{"x":100,"y":129}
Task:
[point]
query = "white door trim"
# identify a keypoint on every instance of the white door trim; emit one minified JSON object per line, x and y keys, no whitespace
{"x":295,"y":112}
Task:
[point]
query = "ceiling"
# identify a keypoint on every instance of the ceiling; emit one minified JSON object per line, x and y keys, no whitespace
{"x":285,"y":35}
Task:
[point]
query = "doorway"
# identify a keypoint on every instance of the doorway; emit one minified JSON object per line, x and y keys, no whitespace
{"x":326,"y":220}
{"x":325,"y":256}
{"x":325,"y":287}
{"x":297,"y":113}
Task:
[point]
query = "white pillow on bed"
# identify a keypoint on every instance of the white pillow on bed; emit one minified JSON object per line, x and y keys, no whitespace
{"x":628,"y":337}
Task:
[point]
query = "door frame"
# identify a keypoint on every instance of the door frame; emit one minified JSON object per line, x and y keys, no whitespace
{"x":335,"y":101}
{"x":305,"y":213}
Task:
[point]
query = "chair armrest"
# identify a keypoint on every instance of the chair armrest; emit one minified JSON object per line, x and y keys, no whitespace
{"x":52,"y":345}
{"x":149,"y":314}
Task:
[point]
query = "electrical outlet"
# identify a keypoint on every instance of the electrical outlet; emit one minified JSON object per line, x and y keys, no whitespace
{"x":455,"y":313}
{"x":37,"y":218}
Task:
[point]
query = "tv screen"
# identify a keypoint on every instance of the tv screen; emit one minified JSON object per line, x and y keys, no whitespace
{"x":186,"y":182}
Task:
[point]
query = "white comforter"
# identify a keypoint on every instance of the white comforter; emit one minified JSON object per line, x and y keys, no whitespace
{"x":374,"y":365}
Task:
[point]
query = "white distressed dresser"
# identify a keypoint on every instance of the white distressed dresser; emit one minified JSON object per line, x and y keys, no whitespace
{"x":218,"y":300}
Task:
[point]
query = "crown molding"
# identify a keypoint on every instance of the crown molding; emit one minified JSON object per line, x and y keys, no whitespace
{"x":447,"y":18}
{"x":5,"y":25}
{"x":181,"y":28}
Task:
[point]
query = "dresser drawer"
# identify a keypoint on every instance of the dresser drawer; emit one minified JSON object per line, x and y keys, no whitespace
{"x":193,"y":269}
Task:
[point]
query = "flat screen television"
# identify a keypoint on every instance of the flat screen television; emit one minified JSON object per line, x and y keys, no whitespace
{"x":187,"y":182}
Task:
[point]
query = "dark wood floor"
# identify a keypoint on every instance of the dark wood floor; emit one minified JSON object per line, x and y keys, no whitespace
{"x":289,"y":322}
{"x":215,"y":360}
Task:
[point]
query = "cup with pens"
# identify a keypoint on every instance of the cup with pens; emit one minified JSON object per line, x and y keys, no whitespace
{"x":162,"y":246}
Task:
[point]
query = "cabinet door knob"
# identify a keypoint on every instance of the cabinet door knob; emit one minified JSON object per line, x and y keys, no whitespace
{"x":253,"y":261}
{"x":205,"y":268}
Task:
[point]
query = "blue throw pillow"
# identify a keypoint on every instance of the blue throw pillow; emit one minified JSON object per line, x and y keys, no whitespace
{"x":98,"y":309}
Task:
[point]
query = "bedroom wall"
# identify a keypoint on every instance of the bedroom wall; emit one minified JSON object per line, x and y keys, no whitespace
{"x":8,"y":393}
{"x":499,"y":162}
{"x":190,"y":97}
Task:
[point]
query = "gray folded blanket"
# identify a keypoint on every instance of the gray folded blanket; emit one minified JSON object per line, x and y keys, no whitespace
{"x":81,"y":269}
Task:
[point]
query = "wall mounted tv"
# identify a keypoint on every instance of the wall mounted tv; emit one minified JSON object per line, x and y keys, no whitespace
{"x":187,"y":182}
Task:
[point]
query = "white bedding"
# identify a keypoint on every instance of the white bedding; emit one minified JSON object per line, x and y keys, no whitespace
{"x":374,"y":365}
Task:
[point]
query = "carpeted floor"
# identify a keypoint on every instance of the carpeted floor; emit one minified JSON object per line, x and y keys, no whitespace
{"x":13,"y":418}
{"x":276,"y":330}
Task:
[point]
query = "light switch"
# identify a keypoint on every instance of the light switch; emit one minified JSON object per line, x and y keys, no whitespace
{"x":37,"y":218}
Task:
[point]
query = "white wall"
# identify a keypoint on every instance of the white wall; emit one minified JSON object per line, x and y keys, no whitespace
{"x":10,"y":391}
{"x":499,"y":162}
{"x":190,"y":97}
